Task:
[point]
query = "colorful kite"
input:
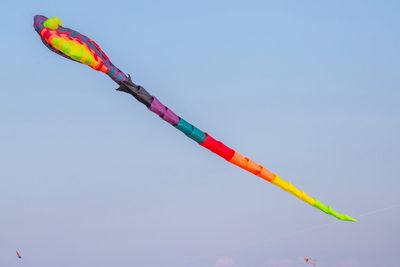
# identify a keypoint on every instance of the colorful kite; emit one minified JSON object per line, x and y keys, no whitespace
{"x":77,"y":47}
{"x":18,"y":254}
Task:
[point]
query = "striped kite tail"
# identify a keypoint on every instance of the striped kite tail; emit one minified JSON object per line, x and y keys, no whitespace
{"x":234,"y":157}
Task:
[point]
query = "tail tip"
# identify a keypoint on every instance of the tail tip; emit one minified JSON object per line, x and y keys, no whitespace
{"x":349,"y":218}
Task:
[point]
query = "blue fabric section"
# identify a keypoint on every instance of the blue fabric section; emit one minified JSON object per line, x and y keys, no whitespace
{"x":192,"y":132}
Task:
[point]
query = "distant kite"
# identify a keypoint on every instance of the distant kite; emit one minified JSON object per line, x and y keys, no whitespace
{"x":75,"y":46}
{"x":18,"y":254}
{"x":310,"y":261}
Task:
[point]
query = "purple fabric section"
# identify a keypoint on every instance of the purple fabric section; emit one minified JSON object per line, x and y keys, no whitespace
{"x":164,"y":112}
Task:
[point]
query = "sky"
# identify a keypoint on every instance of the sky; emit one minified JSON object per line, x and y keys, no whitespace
{"x":309,"y":89}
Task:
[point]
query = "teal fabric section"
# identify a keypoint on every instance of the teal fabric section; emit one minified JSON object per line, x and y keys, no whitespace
{"x":194,"y":133}
{"x":111,"y":72}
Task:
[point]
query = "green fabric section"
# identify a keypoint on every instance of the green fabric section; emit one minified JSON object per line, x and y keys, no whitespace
{"x":334,"y":213}
{"x":56,"y":42}
{"x":52,"y":23}
{"x":192,"y":132}
{"x":66,"y":48}
{"x":78,"y":53}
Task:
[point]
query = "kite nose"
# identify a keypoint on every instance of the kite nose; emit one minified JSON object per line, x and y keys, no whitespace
{"x":37,"y":21}
{"x":39,"y":18}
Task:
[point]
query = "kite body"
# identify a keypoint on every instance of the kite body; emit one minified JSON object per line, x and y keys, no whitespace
{"x":73,"y":45}
{"x":80,"y":48}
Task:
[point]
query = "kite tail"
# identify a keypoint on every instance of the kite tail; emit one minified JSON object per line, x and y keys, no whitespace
{"x":234,"y":157}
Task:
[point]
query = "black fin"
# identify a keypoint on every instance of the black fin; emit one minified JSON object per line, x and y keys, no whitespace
{"x":136,"y":91}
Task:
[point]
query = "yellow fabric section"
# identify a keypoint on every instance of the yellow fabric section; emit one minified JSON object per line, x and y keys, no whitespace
{"x":257,"y":169}
{"x":75,"y":50}
{"x":289,"y":187}
{"x":251,"y":166}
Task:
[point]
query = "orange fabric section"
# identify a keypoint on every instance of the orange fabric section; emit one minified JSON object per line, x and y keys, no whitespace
{"x":251,"y":166}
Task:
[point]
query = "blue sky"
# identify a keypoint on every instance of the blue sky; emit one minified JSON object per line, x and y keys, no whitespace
{"x":309,"y":89}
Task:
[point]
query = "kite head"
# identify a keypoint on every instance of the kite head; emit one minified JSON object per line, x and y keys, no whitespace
{"x":75,"y":46}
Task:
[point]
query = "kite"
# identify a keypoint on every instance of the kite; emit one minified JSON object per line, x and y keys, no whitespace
{"x":18,"y":254}
{"x":80,"y":48}
{"x":309,"y":261}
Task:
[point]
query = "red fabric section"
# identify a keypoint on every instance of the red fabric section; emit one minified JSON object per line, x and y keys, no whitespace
{"x":218,"y":147}
{"x":45,"y":33}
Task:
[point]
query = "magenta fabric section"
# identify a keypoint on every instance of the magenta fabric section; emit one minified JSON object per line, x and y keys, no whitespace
{"x":164,"y":112}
